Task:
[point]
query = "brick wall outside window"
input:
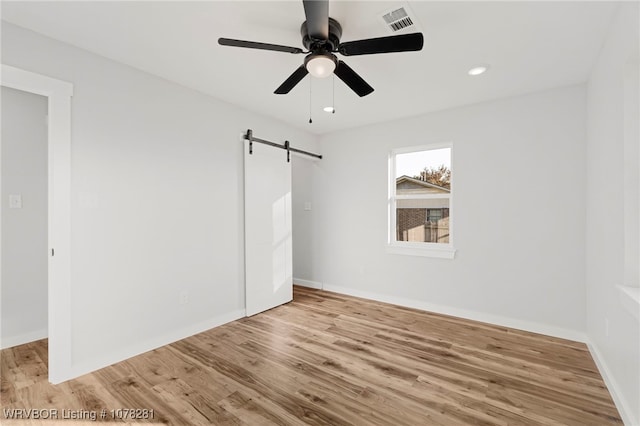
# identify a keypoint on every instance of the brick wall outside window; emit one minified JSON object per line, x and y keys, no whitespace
{"x":407,"y":221}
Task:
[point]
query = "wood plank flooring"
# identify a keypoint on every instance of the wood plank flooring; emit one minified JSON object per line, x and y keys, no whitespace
{"x":329,"y":359}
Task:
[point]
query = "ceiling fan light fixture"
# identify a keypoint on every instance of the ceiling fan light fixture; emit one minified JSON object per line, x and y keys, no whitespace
{"x":320,"y":66}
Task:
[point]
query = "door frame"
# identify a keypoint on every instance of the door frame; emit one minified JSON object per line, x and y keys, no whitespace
{"x":58,"y":94}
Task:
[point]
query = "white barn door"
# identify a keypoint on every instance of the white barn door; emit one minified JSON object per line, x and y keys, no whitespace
{"x":268,"y":244}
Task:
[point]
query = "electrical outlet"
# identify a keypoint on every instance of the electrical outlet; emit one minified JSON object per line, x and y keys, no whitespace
{"x":184,"y":297}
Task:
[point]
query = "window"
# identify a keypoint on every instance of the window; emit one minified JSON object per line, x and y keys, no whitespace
{"x":420,"y":195}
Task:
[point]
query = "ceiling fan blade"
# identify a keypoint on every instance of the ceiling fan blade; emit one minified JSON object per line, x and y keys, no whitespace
{"x":397,"y":43}
{"x":258,"y":45}
{"x":291,"y":82}
{"x":352,"y":79}
{"x":317,"y":13}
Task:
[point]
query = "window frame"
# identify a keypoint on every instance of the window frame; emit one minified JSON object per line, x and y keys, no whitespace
{"x":411,"y":248}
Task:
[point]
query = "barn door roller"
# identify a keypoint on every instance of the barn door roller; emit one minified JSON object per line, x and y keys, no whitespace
{"x":287,"y":146}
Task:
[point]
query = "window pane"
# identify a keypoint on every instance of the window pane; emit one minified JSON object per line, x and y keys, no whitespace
{"x":432,"y":166}
{"x":423,"y":221}
{"x":421,"y":196}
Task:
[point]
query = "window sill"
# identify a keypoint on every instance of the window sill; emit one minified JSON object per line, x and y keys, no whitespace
{"x":630,"y":298}
{"x":430,"y":251}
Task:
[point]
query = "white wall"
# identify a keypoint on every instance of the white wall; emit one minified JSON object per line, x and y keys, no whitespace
{"x":157,"y":205}
{"x":519,"y":213}
{"x":613,"y":329}
{"x":631,"y":167}
{"x":23,"y":291}
{"x":303,"y":207}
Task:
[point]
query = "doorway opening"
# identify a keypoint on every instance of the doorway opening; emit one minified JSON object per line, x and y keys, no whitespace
{"x":24,"y":217}
{"x":58,"y":193}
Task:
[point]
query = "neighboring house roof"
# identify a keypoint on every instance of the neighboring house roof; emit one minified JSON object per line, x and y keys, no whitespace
{"x":408,"y":183}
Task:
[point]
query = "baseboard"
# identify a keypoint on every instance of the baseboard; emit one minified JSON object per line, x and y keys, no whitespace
{"x":530,"y":326}
{"x":628,"y":416}
{"x":9,"y":342}
{"x":151,"y":344}
{"x":307,"y":283}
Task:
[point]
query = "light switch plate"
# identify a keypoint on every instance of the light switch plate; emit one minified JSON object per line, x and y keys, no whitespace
{"x":15,"y":201}
{"x":307,"y":206}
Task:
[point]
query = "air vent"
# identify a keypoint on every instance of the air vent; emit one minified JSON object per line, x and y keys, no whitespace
{"x":397,"y":19}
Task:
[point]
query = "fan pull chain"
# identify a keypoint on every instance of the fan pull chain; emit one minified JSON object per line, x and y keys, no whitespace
{"x":333,"y":94}
{"x":310,"y":120}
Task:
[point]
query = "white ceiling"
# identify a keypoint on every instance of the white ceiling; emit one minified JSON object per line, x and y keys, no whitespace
{"x":529,"y":46}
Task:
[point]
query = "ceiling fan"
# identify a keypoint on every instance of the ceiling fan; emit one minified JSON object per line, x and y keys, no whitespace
{"x":321,"y":36}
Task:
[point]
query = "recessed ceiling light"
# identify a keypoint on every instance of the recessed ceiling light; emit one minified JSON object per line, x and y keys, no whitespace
{"x":478,"y":70}
{"x":327,"y":109}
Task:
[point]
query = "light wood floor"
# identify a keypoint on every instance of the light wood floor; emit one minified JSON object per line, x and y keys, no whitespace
{"x":331,"y":359}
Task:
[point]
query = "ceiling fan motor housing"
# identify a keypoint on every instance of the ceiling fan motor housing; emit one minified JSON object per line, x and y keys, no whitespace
{"x":320,"y":45}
